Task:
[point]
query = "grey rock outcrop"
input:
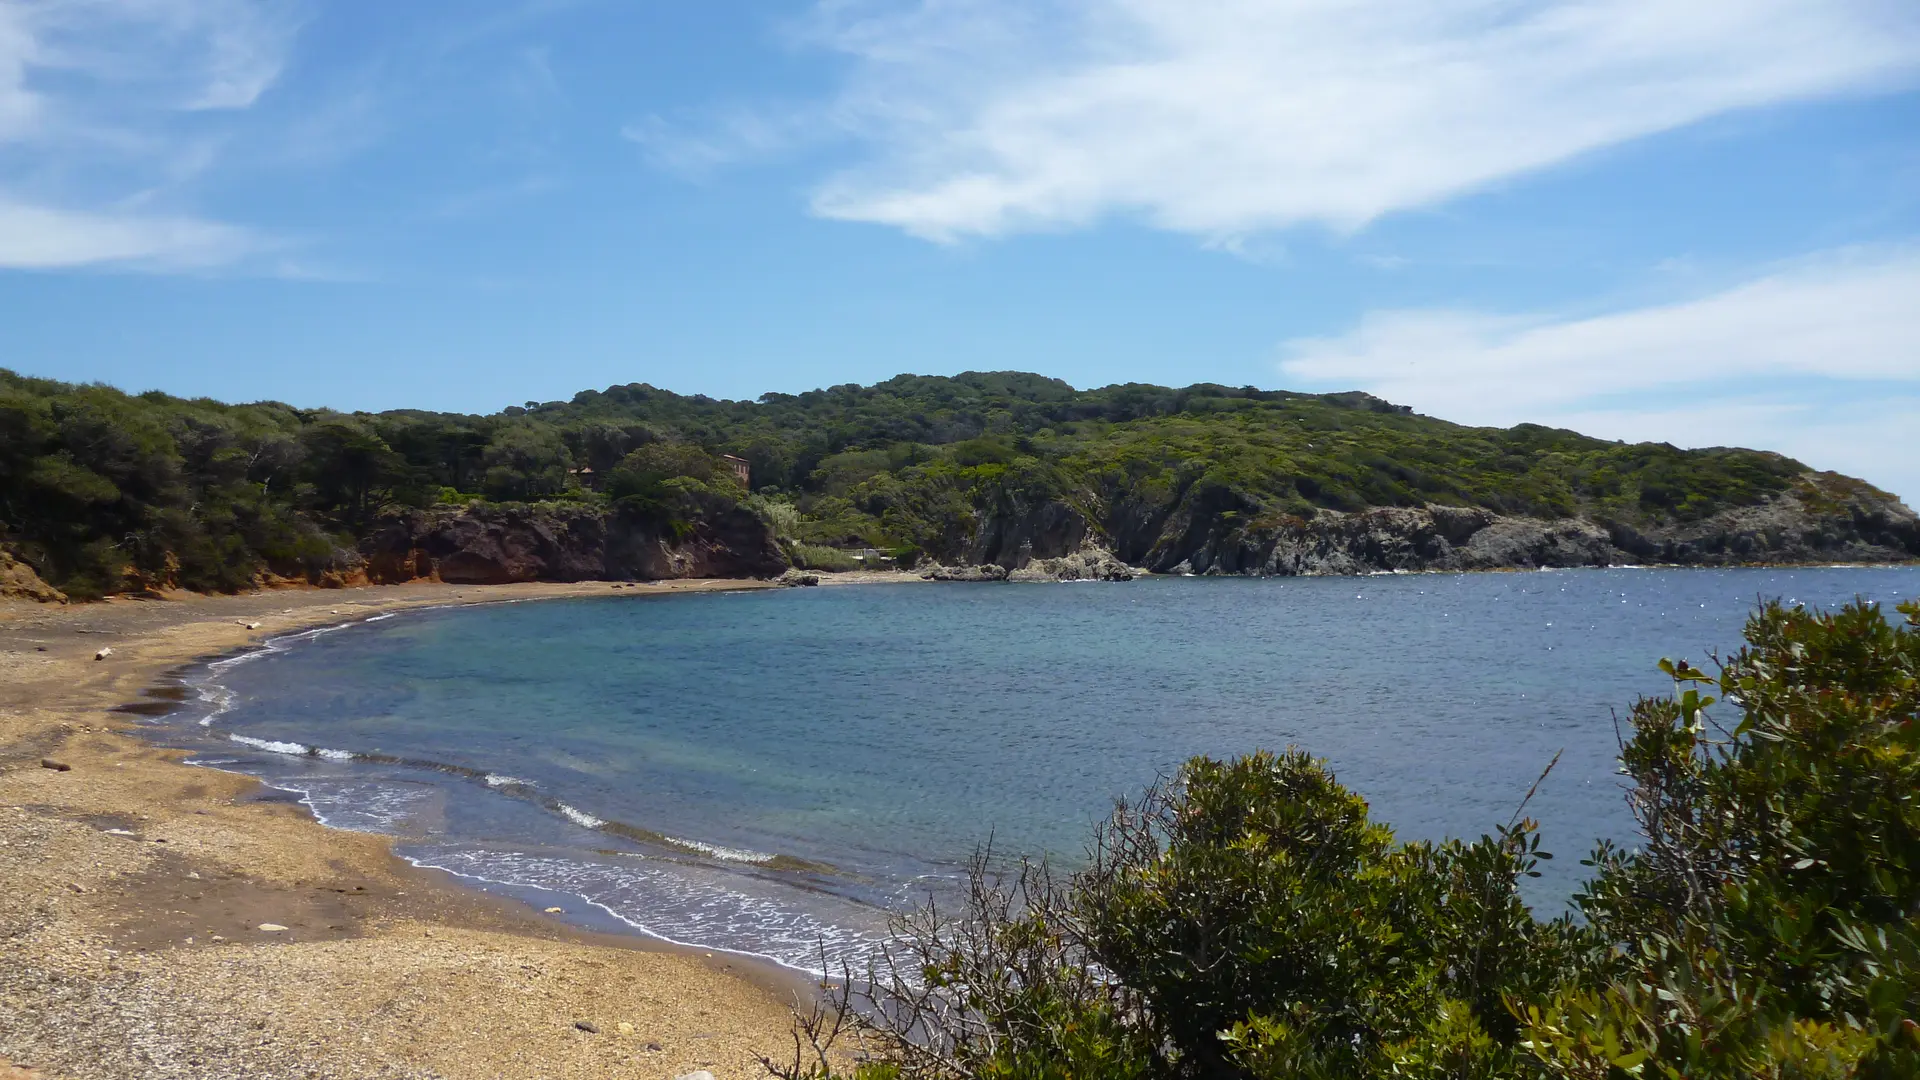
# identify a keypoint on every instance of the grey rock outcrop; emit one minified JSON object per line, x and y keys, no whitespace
{"x":988,"y":572}
{"x":1821,"y":518}
{"x":1826,"y":519}
{"x":1090,"y":563}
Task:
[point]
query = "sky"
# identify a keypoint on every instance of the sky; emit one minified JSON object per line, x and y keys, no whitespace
{"x":1693,"y":223}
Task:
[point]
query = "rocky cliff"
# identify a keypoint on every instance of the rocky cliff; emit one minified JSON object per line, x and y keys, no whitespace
{"x":494,"y":545}
{"x":1822,"y":518}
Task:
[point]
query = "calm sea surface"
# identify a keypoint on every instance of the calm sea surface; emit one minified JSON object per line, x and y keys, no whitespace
{"x":769,"y":771}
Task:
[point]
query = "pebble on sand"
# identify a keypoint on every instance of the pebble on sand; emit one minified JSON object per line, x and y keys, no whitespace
{"x":587,"y":1026}
{"x":271,"y":928}
{"x":56,"y":766}
{"x":103,"y":653}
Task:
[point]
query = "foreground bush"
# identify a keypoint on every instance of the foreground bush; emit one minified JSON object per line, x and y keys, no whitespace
{"x":1249,"y":920}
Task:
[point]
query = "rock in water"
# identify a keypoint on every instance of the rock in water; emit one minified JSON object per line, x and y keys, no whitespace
{"x":1090,"y":563}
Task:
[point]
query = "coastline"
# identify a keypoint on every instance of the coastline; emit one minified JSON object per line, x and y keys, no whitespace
{"x":137,"y":886}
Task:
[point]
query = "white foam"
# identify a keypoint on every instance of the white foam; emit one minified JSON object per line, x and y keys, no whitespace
{"x":498,"y":780}
{"x":272,"y":746}
{"x":683,"y":906}
{"x":718,"y":852}
{"x":219,"y":697}
{"x":581,"y":817}
{"x":378,"y":618}
{"x":292,"y":749}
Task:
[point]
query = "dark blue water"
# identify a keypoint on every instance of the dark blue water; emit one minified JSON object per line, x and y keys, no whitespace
{"x":769,"y":771}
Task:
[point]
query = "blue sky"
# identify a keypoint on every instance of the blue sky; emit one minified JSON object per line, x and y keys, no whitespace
{"x":1697,"y":223}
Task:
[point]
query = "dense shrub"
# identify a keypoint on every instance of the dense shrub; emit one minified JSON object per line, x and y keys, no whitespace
{"x":101,"y":490}
{"x":1249,"y":920}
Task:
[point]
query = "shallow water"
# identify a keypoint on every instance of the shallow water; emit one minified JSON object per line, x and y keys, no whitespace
{"x":769,"y":771}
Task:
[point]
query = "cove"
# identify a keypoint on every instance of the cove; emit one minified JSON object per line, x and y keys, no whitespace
{"x":771,"y":771}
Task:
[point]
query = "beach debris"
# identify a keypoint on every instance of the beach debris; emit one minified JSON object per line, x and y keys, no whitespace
{"x":253,"y":626}
{"x":121,"y":832}
{"x":556,"y":911}
{"x":701,"y":1074}
{"x":587,"y":1026}
{"x":56,"y":766}
{"x":215,"y":938}
{"x":271,"y":928}
{"x":626,"y":1028}
{"x":103,"y":653}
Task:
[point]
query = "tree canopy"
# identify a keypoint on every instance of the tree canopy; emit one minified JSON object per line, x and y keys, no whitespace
{"x":102,"y":489}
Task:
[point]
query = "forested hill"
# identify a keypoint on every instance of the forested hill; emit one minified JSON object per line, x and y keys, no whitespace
{"x":102,"y":491}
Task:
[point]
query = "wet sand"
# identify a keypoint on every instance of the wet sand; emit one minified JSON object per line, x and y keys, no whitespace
{"x":139,"y":898}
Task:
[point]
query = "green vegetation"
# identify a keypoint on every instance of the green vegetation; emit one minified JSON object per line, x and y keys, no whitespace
{"x":102,"y":491}
{"x":1249,"y":920}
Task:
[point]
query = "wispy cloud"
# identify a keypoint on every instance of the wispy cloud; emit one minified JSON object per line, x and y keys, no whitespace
{"x":43,"y":238}
{"x":97,"y":99}
{"x":1221,"y":117}
{"x":728,"y":136}
{"x":1819,"y":359}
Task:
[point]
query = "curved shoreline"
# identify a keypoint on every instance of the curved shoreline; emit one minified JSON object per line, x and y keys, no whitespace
{"x":258,"y":757}
{"x":132,"y":943}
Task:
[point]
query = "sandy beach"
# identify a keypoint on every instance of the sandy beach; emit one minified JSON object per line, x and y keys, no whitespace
{"x":162,"y":920}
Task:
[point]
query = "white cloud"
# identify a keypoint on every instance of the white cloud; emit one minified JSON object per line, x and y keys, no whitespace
{"x":97,"y":101}
{"x":43,"y":238}
{"x":1819,"y":359}
{"x":1229,"y":116}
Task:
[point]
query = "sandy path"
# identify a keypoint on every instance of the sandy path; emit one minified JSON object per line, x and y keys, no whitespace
{"x":132,"y":890}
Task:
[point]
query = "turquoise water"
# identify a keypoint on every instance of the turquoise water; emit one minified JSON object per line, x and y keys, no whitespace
{"x":770,"y":771}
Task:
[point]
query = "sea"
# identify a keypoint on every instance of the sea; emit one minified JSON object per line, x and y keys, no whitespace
{"x":776,"y":772}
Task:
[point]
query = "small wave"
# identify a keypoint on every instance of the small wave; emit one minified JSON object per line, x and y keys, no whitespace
{"x":673,"y":904}
{"x":718,"y":852}
{"x":378,"y":618}
{"x":579,"y":817}
{"x":219,"y":698}
{"x":273,"y":746}
{"x":292,"y":749}
{"x":497,"y":780}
